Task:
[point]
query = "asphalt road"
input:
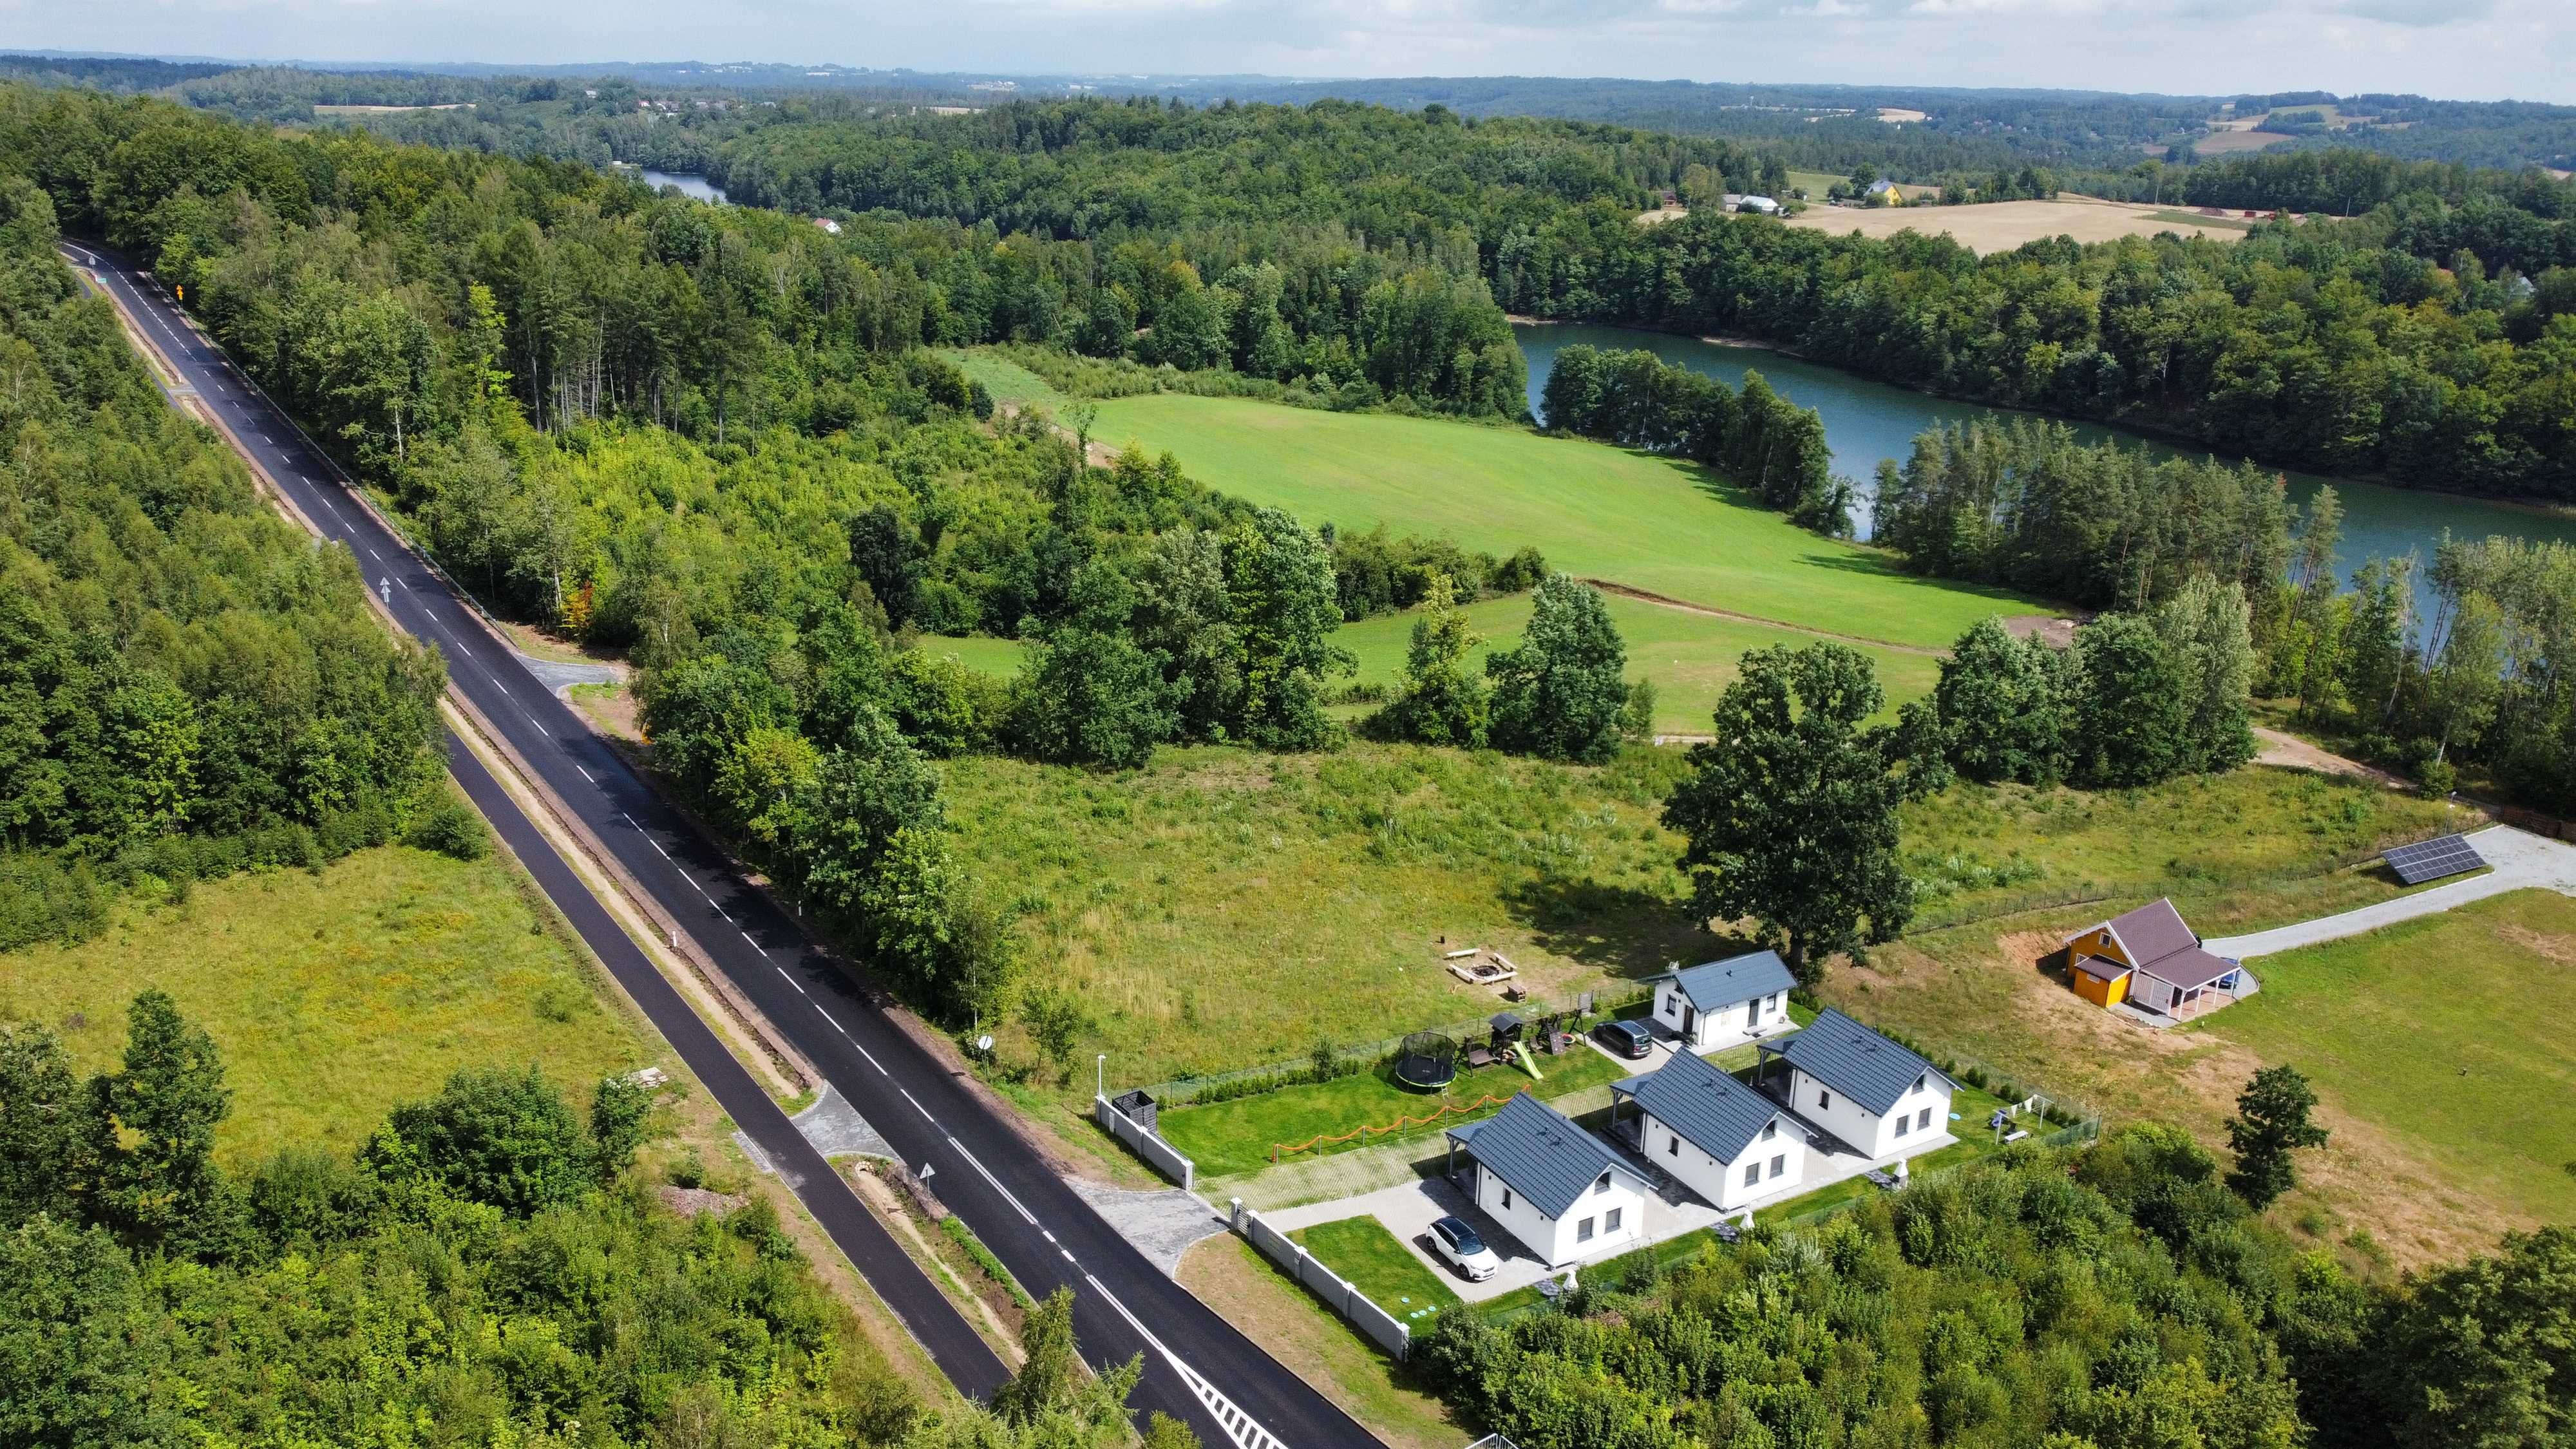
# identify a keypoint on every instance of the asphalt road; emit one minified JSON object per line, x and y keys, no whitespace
{"x":1197,"y":1366}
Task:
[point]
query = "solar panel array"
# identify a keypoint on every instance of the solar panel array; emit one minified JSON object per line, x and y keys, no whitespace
{"x":2434,"y":859}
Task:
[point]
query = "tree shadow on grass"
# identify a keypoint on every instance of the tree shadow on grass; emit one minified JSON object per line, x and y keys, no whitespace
{"x":1629,"y":933}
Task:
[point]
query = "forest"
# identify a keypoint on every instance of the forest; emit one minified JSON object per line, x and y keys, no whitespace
{"x":2423,"y":341}
{"x":186,"y":686}
{"x":491,"y":1267}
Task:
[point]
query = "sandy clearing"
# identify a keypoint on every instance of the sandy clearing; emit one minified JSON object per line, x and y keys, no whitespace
{"x":2003,"y":225}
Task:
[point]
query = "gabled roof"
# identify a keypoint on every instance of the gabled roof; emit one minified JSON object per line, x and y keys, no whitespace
{"x":1856,"y":1061}
{"x":1716,"y":985}
{"x":1539,"y":1153}
{"x":1709,"y":1108}
{"x":2150,"y":933}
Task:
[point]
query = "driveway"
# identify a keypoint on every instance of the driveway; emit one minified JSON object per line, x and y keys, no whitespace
{"x":2521,"y":861}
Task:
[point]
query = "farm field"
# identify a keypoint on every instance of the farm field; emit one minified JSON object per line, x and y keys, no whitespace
{"x":2003,"y":225}
{"x":2450,"y":1030}
{"x":1597,"y":512}
{"x":335,"y":995}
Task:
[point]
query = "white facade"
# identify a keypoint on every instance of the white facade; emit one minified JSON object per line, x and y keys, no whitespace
{"x":1609,"y":1217}
{"x":1774,"y":1161}
{"x":1922,"y":1113}
{"x":1733,"y":1024}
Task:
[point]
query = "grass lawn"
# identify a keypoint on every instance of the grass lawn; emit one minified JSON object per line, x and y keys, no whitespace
{"x":1366,"y":1254}
{"x":2251,"y":848}
{"x":1647,"y":522}
{"x":978,"y":652}
{"x":1221,"y":909}
{"x":335,"y":995}
{"x":1225,"y":1138}
{"x":2451,"y":1029}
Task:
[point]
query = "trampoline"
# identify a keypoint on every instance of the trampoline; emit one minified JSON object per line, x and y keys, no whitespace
{"x":1427,"y":1060}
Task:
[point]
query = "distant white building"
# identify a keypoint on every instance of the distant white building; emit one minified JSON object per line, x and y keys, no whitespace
{"x":1557,"y":1188}
{"x":1726,"y":1003}
{"x":1715,"y":1135}
{"x":1875,"y":1095}
{"x":829,"y":226}
{"x":1758,"y":205}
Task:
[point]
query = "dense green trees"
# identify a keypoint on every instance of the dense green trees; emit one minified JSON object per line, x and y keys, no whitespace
{"x":2320,"y":346}
{"x":185,"y":682}
{"x":1753,"y":437}
{"x":1560,"y":693}
{"x":2026,"y":505}
{"x":484,"y":1270}
{"x":2140,"y":697}
{"x":1789,"y":814}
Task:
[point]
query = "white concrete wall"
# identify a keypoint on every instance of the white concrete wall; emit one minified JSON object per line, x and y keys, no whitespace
{"x":1722,"y":1182}
{"x":1727,"y":1026}
{"x":1874,"y":1135}
{"x":1554,"y":1239}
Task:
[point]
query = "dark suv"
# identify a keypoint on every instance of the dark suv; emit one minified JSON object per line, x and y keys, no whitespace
{"x":1624,"y":1038}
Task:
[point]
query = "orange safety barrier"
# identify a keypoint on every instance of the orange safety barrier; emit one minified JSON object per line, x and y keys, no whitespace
{"x":1277,"y":1149}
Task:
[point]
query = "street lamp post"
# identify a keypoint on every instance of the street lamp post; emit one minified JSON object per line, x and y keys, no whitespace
{"x":1100,"y":1075}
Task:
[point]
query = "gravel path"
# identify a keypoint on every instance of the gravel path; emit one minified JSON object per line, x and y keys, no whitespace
{"x":2521,"y":861}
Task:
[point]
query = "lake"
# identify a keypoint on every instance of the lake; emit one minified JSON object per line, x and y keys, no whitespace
{"x":694,"y":186}
{"x":1866,"y":421}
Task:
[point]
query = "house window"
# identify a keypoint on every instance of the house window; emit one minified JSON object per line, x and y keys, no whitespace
{"x":1603,"y":1185}
{"x":1507,"y":1199}
{"x":1673,"y":1145}
{"x":1610,"y":1220}
{"x":1824,"y":1101}
{"x":1779,"y":1164}
{"x":1919,"y":1081}
{"x":1901,"y":1124}
{"x":1925,"y":1123}
{"x":1583,"y":1231}
{"x":1752,"y":1173}
{"x":1770,"y":1130}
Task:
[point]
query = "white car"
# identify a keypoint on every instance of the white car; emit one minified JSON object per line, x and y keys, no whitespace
{"x":1455,"y":1240}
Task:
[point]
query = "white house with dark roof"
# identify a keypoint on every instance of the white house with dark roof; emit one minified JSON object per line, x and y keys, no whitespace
{"x":1557,"y":1188}
{"x":1878,"y":1097}
{"x":1718,"y":1137}
{"x":1726,"y":1003}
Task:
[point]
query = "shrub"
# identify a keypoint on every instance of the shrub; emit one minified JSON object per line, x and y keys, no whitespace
{"x":452,"y":829}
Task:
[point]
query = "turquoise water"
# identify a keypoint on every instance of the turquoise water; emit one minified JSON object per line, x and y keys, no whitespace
{"x":1866,"y":421}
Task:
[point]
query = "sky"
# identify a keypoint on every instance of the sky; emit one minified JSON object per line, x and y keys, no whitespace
{"x":2460,"y":49}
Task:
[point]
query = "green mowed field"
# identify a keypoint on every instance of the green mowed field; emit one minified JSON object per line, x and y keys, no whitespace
{"x":2452,"y":1030}
{"x":1007,"y":381}
{"x":1650,"y":523}
{"x":335,"y":995}
{"x":1365,"y":1253}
